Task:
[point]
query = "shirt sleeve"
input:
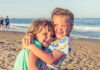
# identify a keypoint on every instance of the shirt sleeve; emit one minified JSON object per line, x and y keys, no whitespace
{"x":64,"y":45}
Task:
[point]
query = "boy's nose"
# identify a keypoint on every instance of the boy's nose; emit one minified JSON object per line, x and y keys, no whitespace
{"x":59,"y":27}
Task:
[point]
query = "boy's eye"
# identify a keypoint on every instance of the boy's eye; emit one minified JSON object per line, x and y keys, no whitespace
{"x":55,"y":25}
{"x":63,"y":25}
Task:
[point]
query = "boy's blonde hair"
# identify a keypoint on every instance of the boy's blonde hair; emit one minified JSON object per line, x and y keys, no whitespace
{"x":38,"y":25}
{"x":65,"y":12}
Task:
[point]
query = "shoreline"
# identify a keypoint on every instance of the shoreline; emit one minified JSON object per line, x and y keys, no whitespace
{"x":83,"y":39}
{"x":85,"y":53}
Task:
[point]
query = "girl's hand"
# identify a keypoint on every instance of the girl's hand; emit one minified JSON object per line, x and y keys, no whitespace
{"x":27,"y":41}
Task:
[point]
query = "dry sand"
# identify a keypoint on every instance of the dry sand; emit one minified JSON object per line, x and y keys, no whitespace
{"x":10,"y":45}
{"x":85,"y":54}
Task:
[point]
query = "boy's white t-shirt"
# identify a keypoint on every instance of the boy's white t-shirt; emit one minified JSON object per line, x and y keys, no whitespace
{"x":63,"y":45}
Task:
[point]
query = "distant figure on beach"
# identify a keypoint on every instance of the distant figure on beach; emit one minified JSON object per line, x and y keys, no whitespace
{"x":7,"y":22}
{"x":42,"y":32}
{"x":1,"y":23}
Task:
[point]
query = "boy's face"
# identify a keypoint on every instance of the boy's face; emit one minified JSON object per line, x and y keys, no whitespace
{"x":61,"y":25}
{"x":45,"y":37}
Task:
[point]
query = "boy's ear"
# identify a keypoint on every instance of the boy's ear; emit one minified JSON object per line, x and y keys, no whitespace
{"x":71,"y":27}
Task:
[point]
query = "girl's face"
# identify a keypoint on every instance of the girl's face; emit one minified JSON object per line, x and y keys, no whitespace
{"x":45,"y":37}
{"x":61,"y":25}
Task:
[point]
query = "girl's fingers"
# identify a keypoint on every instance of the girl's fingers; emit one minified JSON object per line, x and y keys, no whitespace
{"x":27,"y":40}
{"x":31,"y":41}
{"x":23,"y":42}
{"x":30,"y":38}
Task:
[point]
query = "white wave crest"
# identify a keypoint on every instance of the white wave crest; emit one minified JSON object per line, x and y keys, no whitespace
{"x":86,"y":28}
{"x":20,"y":24}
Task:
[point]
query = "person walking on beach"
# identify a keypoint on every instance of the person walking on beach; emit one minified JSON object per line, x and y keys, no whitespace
{"x":26,"y":60}
{"x":1,"y":23}
{"x":7,"y":22}
{"x":55,"y":54}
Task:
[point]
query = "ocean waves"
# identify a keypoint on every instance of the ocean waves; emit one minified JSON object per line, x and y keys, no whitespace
{"x":83,"y":28}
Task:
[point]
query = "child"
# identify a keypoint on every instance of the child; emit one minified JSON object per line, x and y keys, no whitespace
{"x":62,"y":20}
{"x":40,"y":27}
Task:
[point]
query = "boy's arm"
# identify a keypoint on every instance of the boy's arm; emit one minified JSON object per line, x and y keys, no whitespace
{"x":33,"y":61}
{"x":49,"y":58}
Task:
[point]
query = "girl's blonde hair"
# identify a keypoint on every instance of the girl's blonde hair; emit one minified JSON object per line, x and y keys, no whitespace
{"x":38,"y":25}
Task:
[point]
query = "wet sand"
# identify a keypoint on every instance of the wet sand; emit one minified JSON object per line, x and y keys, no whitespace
{"x":85,"y":54}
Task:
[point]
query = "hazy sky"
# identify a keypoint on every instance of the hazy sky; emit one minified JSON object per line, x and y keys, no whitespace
{"x":43,"y":8}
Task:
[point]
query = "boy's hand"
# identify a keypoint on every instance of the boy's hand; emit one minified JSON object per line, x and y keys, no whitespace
{"x":27,"y":41}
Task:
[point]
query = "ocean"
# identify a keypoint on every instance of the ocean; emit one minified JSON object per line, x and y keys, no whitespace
{"x":83,"y":27}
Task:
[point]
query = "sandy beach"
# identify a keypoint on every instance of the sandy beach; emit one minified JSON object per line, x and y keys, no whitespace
{"x":85,"y":54}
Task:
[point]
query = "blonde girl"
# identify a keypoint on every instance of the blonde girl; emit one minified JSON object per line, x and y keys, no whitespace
{"x":41,"y":31}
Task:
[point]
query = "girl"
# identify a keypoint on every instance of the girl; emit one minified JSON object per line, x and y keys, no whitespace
{"x":62,"y":20}
{"x":42,"y":32}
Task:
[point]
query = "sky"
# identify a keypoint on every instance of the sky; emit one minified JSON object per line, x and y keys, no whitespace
{"x":43,"y":8}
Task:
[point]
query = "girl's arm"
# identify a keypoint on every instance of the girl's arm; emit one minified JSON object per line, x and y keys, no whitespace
{"x":33,"y":61}
{"x":49,"y":58}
